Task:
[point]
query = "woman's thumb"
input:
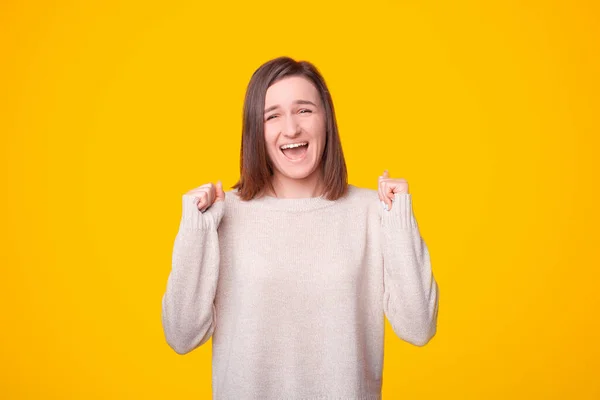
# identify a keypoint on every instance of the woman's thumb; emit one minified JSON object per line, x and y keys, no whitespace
{"x":219,"y":191}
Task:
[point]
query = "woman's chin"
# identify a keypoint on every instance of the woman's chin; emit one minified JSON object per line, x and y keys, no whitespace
{"x":299,"y":172}
{"x":296,"y":174}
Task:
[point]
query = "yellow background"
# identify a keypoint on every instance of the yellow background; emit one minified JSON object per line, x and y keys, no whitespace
{"x":110,"y":111}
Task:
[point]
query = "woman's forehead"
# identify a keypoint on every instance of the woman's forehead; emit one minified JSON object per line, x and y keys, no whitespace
{"x":289,"y":90}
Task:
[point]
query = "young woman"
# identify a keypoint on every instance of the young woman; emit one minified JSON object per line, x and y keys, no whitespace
{"x":292,"y":272}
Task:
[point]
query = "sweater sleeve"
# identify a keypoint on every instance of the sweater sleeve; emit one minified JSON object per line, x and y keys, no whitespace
{"x":188,"y":311}
{"x":410,"y":289}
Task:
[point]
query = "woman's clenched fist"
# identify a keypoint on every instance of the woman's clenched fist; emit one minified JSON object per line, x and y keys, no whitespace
{"x":389,"y":187}
{"x":207,"y":194}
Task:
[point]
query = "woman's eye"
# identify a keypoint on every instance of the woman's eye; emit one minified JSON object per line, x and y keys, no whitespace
{"x":303,"y":111}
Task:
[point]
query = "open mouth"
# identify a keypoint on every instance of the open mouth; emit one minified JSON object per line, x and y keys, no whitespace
{"x":294,"y":151}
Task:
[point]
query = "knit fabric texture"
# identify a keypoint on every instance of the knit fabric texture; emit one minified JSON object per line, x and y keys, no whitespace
{"x":294,"y":292}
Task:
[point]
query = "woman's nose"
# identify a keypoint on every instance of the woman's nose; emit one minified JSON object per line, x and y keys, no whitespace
{"x":291,"y":127}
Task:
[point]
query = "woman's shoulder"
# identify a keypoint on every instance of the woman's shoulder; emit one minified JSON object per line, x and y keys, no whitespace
{"x":358,"y":197}
{"x":362,"y":193}
{"x":360,"y":201}
{"x":233,"y":193}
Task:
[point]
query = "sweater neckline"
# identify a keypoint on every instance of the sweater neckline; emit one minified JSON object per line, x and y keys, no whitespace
{"x":295,"y":204}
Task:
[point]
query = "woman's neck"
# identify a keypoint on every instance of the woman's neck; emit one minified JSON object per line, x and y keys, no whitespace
{"x":289,"y":188}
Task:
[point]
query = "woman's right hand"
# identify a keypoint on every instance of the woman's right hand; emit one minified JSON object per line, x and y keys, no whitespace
{"x":207,"y":194}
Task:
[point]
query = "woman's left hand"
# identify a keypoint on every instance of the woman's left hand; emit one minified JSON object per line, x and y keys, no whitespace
{"x":388,"y":187}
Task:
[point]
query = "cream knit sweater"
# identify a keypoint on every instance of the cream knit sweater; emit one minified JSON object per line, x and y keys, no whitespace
{"x":294,"y":292}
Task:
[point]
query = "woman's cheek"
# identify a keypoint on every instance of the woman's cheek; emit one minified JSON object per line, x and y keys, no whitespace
{"x":269,"y":136}
{"x":310,"y":127}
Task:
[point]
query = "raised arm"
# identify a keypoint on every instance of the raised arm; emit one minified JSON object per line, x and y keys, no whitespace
{"x":411,"y":294}
{"x":188,"y":311}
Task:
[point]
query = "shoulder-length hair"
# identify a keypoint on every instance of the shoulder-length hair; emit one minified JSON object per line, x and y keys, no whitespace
{"x":255,"y":167}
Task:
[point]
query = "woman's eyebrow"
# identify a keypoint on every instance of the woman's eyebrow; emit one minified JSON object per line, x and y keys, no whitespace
{"x":295,"y":102}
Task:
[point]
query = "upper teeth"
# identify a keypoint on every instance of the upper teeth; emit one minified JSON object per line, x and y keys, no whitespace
{"x":289,"y":146}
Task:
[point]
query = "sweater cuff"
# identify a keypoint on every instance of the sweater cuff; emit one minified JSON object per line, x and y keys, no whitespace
{"x":401,"y":215}
{"x":194,"y":220}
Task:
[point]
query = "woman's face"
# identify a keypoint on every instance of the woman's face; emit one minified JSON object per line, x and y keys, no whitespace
{"x":294,"y":115}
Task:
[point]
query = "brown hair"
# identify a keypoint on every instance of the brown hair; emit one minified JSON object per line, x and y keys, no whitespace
{"x":255,"y":167}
